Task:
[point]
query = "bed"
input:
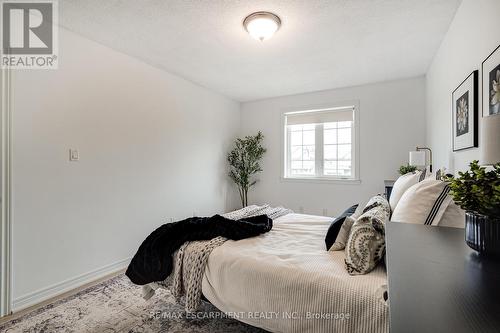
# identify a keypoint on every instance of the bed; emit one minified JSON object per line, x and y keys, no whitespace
{"x":285,"y":281}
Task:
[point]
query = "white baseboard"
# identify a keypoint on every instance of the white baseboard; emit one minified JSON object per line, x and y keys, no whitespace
{"x":57,"y":289}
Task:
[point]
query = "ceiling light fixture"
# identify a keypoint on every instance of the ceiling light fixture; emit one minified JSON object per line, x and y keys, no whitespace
{"x":262,"y":25}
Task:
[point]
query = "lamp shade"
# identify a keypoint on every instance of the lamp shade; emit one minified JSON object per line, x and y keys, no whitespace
{"x":490,"y":140}
{"x":417,"y":158}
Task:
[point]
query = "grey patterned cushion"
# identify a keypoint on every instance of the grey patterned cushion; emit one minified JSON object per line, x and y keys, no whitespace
{"x":366,"y":244}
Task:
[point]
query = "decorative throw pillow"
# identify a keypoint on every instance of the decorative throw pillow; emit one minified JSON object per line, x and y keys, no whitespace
{"x":334,"y":229}
{"x":366,"y":243}
{"x":402,"y":184}
{"x":345,"y":229}
{"x":453,"y":216}
{"x":423,"y":203}
{"x":376,"y":201}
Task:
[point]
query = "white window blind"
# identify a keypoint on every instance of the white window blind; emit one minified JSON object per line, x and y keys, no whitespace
{"x":320,"y":144}
{"x":319,"y":117}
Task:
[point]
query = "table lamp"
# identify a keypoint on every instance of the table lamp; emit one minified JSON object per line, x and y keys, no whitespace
{"x":418,"y":158}
{"x":490,"y":140}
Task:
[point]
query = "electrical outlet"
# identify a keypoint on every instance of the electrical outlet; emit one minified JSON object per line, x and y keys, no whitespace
{"x":168,"y":220}
{"x":325,"y":212}
{"x":74,"y":155}
{"x":195,"y":214}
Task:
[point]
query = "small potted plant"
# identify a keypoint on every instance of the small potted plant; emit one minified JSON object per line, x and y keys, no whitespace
{"x":404,"y":169}
{"x":477,"y":191}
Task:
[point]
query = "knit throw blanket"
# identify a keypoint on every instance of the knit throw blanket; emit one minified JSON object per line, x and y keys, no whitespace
{"x":190,"y":260}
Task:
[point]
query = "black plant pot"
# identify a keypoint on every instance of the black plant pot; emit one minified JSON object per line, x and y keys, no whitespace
{"x":482,"y":233}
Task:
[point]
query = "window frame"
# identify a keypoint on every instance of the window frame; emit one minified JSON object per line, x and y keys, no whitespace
{"x":319,"y":161}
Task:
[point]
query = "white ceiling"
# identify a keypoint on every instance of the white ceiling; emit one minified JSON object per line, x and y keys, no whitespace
{"x":322,"y":44}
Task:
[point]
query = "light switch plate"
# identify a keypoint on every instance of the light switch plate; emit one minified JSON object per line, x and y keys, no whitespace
{"x":74,"y":155}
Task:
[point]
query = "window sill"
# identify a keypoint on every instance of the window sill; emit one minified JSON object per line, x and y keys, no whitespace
{"x":321,"y":180}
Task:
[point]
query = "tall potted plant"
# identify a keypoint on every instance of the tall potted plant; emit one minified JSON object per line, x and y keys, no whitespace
{"x":477,"y":191}
{"x":244,"y":163}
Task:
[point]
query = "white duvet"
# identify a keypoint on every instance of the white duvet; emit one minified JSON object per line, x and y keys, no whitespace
{"x":285,"y":281}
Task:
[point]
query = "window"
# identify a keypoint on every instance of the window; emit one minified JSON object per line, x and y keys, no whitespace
{"x":321,"y":144}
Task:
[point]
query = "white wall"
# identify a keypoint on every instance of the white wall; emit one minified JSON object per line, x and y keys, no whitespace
{"x":151,"y":144}
{"x":472,"y":36}
{"x":391,"y":124}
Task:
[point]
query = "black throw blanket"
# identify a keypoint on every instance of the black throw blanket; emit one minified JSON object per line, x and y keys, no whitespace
{"x":154,"y":259}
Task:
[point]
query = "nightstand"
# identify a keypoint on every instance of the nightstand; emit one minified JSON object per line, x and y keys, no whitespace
{"x":437,"y":283}
{"x":388,"y":184}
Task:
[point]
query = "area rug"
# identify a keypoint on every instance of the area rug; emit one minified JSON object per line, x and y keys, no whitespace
{"x":117,"y":306}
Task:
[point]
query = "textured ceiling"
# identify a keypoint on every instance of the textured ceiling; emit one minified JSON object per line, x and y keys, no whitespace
{"x":321,"y":44}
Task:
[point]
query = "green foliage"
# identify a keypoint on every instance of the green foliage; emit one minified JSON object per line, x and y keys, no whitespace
{"x":404,"y":169}
{"x":477,"y":190}
{"x":244,"y":163}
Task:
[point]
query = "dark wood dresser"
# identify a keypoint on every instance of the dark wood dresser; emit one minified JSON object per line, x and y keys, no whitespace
{"x":438,"y":284}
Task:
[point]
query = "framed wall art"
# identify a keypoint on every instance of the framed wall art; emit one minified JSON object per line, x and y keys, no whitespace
{"x":465,"y":113}
{"x":491,"y":84}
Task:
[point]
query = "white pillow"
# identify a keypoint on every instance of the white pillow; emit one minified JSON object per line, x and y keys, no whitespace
{"x":402,"y":184}
{"x":453,"y":216}
{"x":343,"y":234}
{"x":423,"y":203}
